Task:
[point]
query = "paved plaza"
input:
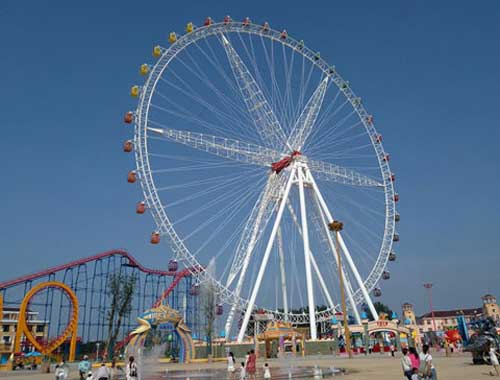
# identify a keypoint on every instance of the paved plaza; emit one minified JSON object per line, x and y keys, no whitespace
{"x":458,"y":367}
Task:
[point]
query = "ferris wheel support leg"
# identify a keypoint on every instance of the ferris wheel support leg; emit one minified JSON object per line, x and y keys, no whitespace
{"x":321,"y":281}
{"x":265,"y":258}
{"x":282,"y":273}
{"x":348,"y":288}
{"x":246,"y":261}
{"x":307,"y":257}
{"x":347,"y":255}
{"x":313,"y":261}
{"x":355,"y":271}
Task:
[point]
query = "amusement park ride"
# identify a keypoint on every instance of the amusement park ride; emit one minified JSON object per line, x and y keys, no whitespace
{"x":247,"y":145}
{"x":75,"y":294}
{"x":248,"y":148}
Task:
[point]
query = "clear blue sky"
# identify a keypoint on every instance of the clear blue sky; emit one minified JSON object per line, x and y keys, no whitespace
{"x":428,"y":71}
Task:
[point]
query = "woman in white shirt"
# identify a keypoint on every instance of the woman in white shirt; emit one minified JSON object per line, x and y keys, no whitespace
{"x":230,"y":362}
{"x":427,"y":368}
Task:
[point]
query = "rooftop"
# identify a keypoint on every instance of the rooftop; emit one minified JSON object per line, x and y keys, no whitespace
{"x":453,"y":313}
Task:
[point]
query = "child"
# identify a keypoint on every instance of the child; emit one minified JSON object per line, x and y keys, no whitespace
{"x":59,"y":373}
{"x":414,"y":375}
{"x":243,"y":372}
{"x":267,"y":371}
{"x":494,"y":361}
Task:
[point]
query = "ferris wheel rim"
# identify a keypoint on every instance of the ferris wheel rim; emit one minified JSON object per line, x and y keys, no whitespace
{"x":146,"y":179}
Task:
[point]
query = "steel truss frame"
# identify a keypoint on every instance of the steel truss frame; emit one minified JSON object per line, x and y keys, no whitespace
{"x":254,"y":154}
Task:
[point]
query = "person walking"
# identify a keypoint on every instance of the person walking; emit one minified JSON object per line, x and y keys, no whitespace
{"x":267,"y":371}
{"x":494,"y":360}
{"x":62,"y":371}
{"x":427,"y":369}
{"x":406,"y":364}
{"x":415,"y":360}
{"x":230,"y":362}
{"x":59,"y":373}
{"x":114,"y":370}
{"x":103,"y":373}
{"x":132,"y":370}
{"x":251,"y":364}
{"x":243,"y":372}
{"x":84,"y":367}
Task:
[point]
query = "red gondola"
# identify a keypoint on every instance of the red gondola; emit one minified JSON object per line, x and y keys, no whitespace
{"x":284,"y":35}
{"x":246,"y":21}
{"x":396,"y":197}
{"x":219,"y":310}
{"x":208,"y":21}
{"x":393,"y":177}
{"x":378,"y":138}
{"x":140,"y":208}
{"x":195,"y":290}
{"x":128,"y":146}
{"x":172,"y":266}
{"x":132,"y":176}
{"x":129,"y":117}
{"x":386,"y":157}
{"x":155,"y":238}
{"x":227,"y":19}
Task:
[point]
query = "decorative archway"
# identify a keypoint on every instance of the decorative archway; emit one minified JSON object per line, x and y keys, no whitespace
{"x":160,"y":315}
{"x":71,"y":328}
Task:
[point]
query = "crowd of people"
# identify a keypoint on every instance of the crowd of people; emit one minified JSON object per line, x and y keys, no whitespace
{"x":103,"y":372}
{"x":248,"y":367}
{"x":418,"y":366}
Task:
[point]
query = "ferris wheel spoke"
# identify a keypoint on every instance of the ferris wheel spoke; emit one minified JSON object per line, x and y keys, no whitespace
{"x":265,"y":257}
{"x":339,"y":174}
{"x":254,"y":228}
{"x":234,"y":109}
{"x":303,"y":126}
{"x":347,"y":254}
{"x":185,"y":115}
{"x":227,"y":148}
{"x":223,"y":117}
{"x":259,"y":109}
{"x":323,"y":228}
{"x":230,"y":209}
{"x":276,"y":99}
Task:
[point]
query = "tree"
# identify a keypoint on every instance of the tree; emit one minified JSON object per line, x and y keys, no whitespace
{"x":121,"y":288}
{"x":380,"y":308}
{"x":208,"y":295}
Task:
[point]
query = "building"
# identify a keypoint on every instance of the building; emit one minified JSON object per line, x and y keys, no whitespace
{"x":9,"y":317}
{"x":442,"y":320}
{"x":490,"y":307}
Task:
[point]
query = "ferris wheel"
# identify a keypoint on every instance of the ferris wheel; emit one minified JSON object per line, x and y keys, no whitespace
{"x":248,"y":146}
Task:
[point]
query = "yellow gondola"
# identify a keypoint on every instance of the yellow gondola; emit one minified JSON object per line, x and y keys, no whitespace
{"x":172,"y":37}
{"x":134,"y":91}
{"x":144,"y":69}
{"x":189,"y":27}
{"x":157,"y":51}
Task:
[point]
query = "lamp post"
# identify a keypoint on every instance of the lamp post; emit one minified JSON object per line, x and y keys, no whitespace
{"x":97,"y":351}
{"x":337,"y":226}
{"x":428,"y":286}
